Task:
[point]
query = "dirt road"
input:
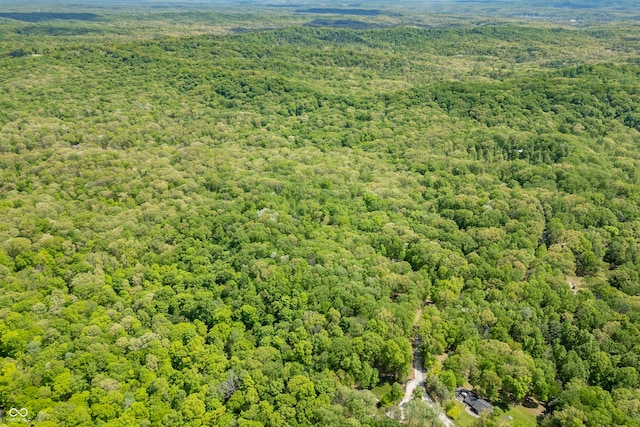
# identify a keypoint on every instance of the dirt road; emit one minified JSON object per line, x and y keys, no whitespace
{"x":418,"y":378}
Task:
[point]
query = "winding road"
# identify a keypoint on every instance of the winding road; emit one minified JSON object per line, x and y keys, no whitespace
{"x":417,"y":380}
{"x":419,"y":375}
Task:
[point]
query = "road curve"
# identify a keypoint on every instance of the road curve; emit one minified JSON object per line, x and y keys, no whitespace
{"x":417,"y":380}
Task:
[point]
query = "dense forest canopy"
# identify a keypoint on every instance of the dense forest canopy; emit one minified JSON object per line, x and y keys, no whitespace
{"x":252,"y":229}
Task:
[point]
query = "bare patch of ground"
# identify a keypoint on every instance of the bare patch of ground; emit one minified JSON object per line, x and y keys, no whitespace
{"x":575,"y":283}
{"x":442,"y":357}
{"x":417,"y":317}
{"x":532,"y":407}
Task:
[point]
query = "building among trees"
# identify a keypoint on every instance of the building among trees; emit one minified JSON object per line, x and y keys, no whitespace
{"x":477,"y":405}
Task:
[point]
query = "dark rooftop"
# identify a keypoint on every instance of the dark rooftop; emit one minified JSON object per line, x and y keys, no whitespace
{"x":477,"y":405}
{"x":481,"y":405}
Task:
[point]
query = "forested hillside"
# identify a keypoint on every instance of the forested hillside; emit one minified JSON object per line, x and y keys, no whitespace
{"x":239,"y":230}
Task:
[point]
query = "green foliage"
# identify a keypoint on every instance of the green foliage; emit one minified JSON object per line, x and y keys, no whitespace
{"x":239,"y":229}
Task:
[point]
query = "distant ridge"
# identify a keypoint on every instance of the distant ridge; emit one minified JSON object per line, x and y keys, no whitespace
{"x":361,"y":12}
{"x":49,"y":16}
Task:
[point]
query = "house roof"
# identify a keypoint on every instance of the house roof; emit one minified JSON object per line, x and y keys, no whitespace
{"x":482,"y":405}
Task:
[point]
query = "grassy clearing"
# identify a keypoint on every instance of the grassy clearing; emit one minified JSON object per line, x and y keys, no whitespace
{"x":464,"y":419}
{"x":523,"y":416}
{"x":519,"y":416}
{"x":381,"y":390}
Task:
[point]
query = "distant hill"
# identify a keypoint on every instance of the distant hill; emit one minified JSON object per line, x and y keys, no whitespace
{"x":48,"y":16}
{"x":584,"y":4}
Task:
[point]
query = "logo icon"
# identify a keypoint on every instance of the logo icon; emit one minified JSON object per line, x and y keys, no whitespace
{"x":15,"y":413}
